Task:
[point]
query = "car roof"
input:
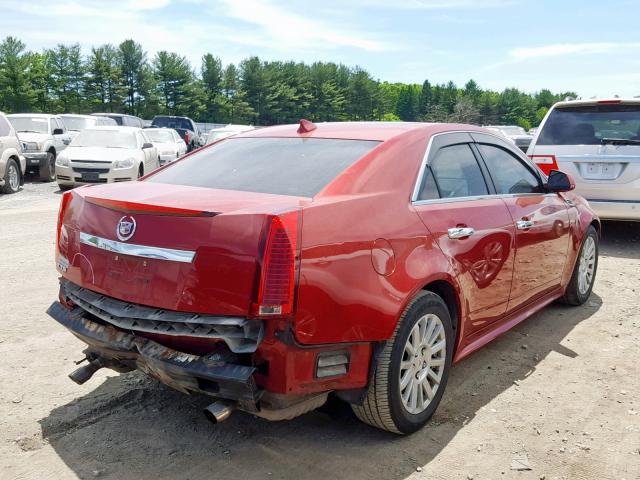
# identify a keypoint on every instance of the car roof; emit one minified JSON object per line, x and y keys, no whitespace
{"x":45,"y":115}
{"x":78,"y":115}
{"x":597,"y":101}
{"x":118,"y":128}
{"x":380,"y":131}
{"x":107,"y":114}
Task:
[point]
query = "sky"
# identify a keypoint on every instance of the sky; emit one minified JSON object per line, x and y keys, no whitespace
{"x":587,"y":46}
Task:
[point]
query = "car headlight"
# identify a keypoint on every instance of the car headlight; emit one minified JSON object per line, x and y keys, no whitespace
{"x":126,"y":163}
{"x":31,"y":146}
{"x":62,"y":161}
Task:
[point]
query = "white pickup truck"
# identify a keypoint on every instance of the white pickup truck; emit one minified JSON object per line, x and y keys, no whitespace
{"x":12,"y":162}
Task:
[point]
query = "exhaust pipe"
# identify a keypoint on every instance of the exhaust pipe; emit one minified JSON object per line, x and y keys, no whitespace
{"x":83,"y":374}
{"x":219,"y":411}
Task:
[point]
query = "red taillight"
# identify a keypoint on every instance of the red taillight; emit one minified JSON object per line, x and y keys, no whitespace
{"x":609,"y":102}
{"x":64,"y":202}
{"x":546,"y":163}
{"x":279,"y":267}
{"x":186,"y":137}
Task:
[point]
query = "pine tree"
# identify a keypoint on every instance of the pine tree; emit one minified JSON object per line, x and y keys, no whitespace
{"x":16,"y":93}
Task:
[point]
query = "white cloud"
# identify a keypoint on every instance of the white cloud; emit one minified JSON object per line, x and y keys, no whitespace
{"x":289,"y":30}
{"x":147,"y":4}
{"x":437,"y":4}
{"x":572,"y":49}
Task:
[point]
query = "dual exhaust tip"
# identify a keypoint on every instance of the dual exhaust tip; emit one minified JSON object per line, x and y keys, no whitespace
{"x":217,"y":412}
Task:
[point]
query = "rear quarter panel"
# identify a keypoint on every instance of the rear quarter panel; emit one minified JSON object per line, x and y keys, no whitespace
{"x":365,"y":255}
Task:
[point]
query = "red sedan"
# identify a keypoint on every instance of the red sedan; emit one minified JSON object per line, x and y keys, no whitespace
{"x":276,"y":267}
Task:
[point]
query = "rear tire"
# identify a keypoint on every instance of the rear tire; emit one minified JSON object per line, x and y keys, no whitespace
{"x":584,"y":271}
{"x":47,"y":168}
{"x":390,"y":406}
{"x":11,"y":177}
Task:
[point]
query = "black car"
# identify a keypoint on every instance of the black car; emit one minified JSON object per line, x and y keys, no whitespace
{"x":186,"y":127}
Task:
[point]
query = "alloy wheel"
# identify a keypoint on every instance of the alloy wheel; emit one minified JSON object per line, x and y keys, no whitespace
{"x":587,"y":265}
{"x":423,"y":363}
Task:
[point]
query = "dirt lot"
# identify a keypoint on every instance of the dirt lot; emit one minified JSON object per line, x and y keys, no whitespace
{"x":562,"y":389}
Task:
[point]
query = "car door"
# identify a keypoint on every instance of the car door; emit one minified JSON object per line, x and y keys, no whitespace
{"x":60,"y":139}
{"x":471,"y":225}
{"x":541,"y":220}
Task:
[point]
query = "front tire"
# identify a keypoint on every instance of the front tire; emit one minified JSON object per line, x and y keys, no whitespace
{"x":584,"y":271}
{"x":47,"y":168}
{"x":412,"y":370}
{"x":11,"y":177}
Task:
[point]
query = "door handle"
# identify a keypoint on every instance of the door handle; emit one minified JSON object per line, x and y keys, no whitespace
{"x":524,"y":224}
{"x":460,"y":232}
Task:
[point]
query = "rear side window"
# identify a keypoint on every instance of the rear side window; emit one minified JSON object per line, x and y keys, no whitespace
{"x":590,"y":124}
{"x":172,"y":122}
{"x":509,"y":174}
{"x":456,"y":173}
{"x":282,"y":166}
{"x":5,"y":128}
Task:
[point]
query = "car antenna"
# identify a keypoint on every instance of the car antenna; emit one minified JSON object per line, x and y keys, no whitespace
{"x":306,"y":126}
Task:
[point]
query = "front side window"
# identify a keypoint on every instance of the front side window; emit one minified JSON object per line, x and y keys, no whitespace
{"x":509,"y":174}
{"x":282,"y":166}
{"x":456,"y":173}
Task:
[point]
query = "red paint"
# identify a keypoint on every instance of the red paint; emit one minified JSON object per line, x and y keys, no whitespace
{"x":355,"y":255}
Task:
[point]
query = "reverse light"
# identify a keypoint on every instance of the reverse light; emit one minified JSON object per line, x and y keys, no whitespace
{"x":279,"y":267}
{"x":546,"y":163}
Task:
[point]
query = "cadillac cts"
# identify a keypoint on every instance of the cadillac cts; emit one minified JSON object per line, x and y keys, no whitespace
{"x":273,"y":268}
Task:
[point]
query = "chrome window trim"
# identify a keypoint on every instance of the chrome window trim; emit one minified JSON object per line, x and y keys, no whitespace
{"x":144,"y":251}
{"x":425,"y":162}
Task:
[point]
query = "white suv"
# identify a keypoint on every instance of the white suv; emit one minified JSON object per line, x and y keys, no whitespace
{"x":597,"y":142}
{"x":12,"y":163}
{"x":43,"y":137}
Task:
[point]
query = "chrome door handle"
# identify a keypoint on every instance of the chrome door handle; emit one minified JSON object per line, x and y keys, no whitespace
{"x":524,"y":224}
{"x":460,"y":232}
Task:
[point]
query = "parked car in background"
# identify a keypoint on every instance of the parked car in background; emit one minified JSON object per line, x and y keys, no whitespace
{"x":43,"y":138}
{"x":281,"y":264}
{"x":106,"y":154}
{"x":226,"y":131}
{"x":13,"y":165}
{"x":598,"y":143}
{"x":514,"y":133}
{"x":168,"y":142}
{"x":76,"y":123}
{"x":186,"y":127}
{"x":123,"y":119}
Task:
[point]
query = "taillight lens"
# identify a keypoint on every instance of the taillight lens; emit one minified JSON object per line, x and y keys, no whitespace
{"x":64,"y":202}
{"x":546,"y":163}
{"x":186,"y":137}
{"x":279,"y":267}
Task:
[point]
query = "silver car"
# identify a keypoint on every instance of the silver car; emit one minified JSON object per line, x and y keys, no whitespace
{"x":597,"y":142}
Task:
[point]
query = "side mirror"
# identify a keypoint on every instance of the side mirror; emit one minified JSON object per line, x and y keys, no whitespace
{"x":559,"y":182}
{"x":147,"y":145}
{"x":57,"y":131}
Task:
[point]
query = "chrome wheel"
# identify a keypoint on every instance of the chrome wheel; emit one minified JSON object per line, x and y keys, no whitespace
{"x":423,"y":363}
{"x":586,"y":267}
{"x":14,"y":178}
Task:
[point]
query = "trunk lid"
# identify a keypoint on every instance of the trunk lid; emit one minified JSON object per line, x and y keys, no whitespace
{"x":205,"y":243}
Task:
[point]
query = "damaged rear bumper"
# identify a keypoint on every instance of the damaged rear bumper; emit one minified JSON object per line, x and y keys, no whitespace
{"x":122,"y":351}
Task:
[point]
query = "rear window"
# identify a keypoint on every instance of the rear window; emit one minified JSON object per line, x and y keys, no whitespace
{"x":589,"y":124}
{"x":172,"y":122}
{"x":282,"y":166}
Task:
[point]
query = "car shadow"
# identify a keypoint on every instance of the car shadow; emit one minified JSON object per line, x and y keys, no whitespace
{"x":134,"y":427}
{"x":620,"y":239}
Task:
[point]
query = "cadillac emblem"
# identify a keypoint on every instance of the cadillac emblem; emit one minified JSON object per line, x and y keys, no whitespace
{"x":126,"y":228}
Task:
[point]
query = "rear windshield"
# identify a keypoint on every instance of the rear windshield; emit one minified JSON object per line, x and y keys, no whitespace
{"x":171,"y":122}
{"x":282,"y":166}
{"x":590,"y":124}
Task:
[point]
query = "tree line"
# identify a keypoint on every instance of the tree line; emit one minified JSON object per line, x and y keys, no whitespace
{"x":124,"y":78}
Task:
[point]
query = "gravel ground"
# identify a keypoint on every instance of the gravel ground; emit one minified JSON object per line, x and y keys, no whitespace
{"x":559,"y":394}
